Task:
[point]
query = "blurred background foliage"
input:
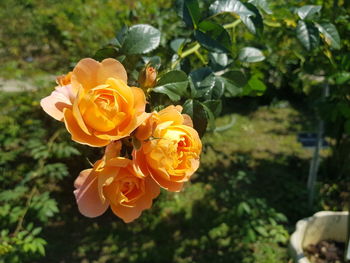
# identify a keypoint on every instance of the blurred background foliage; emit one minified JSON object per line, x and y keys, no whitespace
{"x":250,"y":190}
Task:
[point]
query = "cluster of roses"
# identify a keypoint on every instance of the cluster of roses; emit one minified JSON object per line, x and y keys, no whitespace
{"x":100,"y":109}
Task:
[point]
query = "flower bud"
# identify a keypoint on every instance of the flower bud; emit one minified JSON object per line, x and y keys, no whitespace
{"x":147,"y":77}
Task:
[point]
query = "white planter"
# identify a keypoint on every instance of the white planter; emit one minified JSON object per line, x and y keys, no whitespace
{"x":322,"y":225}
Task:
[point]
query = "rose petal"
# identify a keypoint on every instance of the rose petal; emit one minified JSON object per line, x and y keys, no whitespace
{"x":88,"y":200}
{"x":111,"y":68}
{"x":78,"y":134}
{"x":140,"y":99}
{"x":54,"y":104}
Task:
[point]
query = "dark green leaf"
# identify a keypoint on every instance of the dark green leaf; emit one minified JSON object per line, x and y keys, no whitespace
{"x":189,"y":11}
{"x":250,"y":55}
{"x":253,"y":23}
{"x":154,"y":61}
{"x":177,"y":44}
{"x":141,"y":39}
{"x":234,"y":82}
{"x":218,"y":61}
{"x":120,"y":38}
{"x":330,"y":34}
{"x":248,"y":13}
{"x":213,"y":37}
{"x":308,"y":35}
{"x":232,"y":6}
{"x":214,"y":105}
{"x":210,"y":116}
{"x":308,"y":11}
{"x":202,"y":81}
{"x":107,"y":52}
{"x":173,"y":84}
{"x":218,"y":90}
{"x":263,"y":5}
{"x":198,"y":114}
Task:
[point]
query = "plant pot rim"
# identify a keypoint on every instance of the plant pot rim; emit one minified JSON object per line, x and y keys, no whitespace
{"x":297,"y":239}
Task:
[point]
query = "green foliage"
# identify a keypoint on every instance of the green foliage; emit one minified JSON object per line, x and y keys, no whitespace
{"x":140,"y":39}
{"x":173,"y":84}
{"x":30,"y":169}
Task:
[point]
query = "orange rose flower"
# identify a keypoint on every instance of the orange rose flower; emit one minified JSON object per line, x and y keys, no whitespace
{"x":95,"y":102}
{"x":115,"y":182}
{"x":170,"y":148}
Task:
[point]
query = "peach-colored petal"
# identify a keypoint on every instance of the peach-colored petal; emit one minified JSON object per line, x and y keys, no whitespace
{"x":85,"y":74}
{"x":78,"y":134}
{"x":111,"y":68}
{"x":119,"y":162}
{"x":67,"y":91}
{"x":171,"y":186}
{"x":82,"y":178}
{"x":171,"y":113}
{"x":105,"y":178}
{"x":88,"y":200}
{"x":128,"y":214}
{"x":124,"y":92}
{"x":140,"y":99}
{"x":147,"y":127}
{"x":187,"y":120}
{"x":77,"y":114}
{"x":112,"y":150}
{"x":55,"y":103}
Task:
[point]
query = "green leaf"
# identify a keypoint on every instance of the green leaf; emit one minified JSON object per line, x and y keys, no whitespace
{"x":248,"y":13}
{"x":189,"y":11}
{"x":341,"y":77}
{"x":232,"y":6}
{"x":253,"y":23}
{"x":118,"y":41}
{"x":154,"y":61}
{"x":262,"y":231}
{"x":218,"y":89}
{"x":330,"y":34}
{"x":308,"y":11}
{"x":308,"y":35}
{"x":214,"y":105}
{"x":218,"y":61}
{"x":213,"y":37}
{"x":263,"y":5}
{"x":234,"y":82}
{"x":198,"y":114}
{"x":210,"y":116}
{"x":254,"y":87}
{"x":250,"y":55}
{"x":141,"y":39}
{"x":173,"y":84}
{"x":106,"y":52}
{"x":202,"y":81}
{"x":177,"y":45}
